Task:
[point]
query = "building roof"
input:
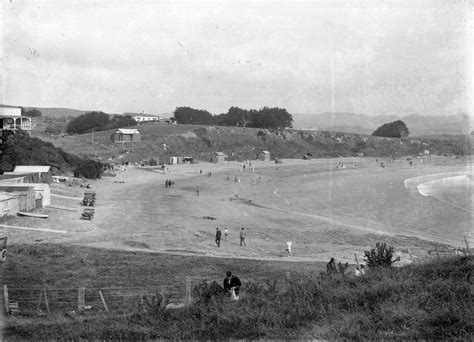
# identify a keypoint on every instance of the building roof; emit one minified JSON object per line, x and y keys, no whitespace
{"x":6,"y":106}
{"x":265,"y":152}
{"x":221,"y":154}
{"x":31,"y":168}
{"x":4,"y":196}
{"x":128,"y":131}
{"x":15,"y":188}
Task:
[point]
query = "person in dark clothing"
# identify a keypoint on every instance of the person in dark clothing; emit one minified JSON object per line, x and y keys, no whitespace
{"x":331,"y":266}
{"x":232,"y":281}
{"x":218,"y":237}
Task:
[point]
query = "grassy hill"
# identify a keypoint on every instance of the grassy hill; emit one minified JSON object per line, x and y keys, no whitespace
{"x":240,"y":143}
{"x":432,"y":300}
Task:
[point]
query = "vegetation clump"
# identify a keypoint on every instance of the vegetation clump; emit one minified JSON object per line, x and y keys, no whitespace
{"x":98,"y":121}
{"x":396,"y":129}
{"x":380,"y":256}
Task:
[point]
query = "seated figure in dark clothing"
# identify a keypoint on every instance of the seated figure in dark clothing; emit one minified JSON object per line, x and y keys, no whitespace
{"x":232,"y":281}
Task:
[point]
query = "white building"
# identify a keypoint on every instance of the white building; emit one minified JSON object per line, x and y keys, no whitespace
{"x":12,"y":118}
{"x":142,"y":117}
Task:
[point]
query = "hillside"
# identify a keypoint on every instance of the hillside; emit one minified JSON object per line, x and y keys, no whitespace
{"x":200,"y":142}
{"x":419,"y":125}
{"x":59,"y":112}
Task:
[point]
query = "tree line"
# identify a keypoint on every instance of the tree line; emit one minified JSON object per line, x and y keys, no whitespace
{"x":265,"y":117}
{"x":98,"y":121}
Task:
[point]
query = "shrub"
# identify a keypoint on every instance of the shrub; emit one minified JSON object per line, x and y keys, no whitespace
{"x":153,"y":162}
{"x":380,"y":256}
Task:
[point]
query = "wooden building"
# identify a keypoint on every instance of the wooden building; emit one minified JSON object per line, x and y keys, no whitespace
{"x":219,"y":157}
{"x":265,"y":156}
{"x":25,"y":194}
{"x":43,"y":171}
{"x":126,"y":135}
{"x":8,"y":204}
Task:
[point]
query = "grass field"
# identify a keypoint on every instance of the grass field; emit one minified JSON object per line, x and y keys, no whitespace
{"x":429,"y":301}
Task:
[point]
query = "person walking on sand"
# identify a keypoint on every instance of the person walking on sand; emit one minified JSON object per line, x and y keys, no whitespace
{"x":197,"y":190}
{"x":218,"y":237}
{"x":288,"y":248}
{"x":243,"y":235}
{"x":226,"y":233}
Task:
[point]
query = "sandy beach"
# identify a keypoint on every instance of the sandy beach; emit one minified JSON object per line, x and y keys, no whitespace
{"x":325,"y":209}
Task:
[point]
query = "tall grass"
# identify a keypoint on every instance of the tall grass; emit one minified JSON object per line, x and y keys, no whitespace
{"x":428,"y":301}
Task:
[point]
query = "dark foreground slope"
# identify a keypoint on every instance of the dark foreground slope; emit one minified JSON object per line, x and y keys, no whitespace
{"x":433,"y":300}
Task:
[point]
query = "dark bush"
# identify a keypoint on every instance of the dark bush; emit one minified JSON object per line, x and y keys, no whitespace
{"x":380,"y":256}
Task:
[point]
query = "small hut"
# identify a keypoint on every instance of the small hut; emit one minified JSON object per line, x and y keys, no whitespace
{"x":219,"y":157}
{"x":25,"y":194}
{"x":9,"y":204}
{"x":265,"y":156}
{"x":43,"y":171}
{"x":126,"y":135}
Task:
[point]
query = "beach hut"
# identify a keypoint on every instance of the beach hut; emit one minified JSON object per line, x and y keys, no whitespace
{"x":126,"y":135}
{"x":8,"y":204}
{"x":219,"y":157}
{"x":173,"y":160}
{"x":43,"y":171}
{"x":265,"y":156}
{"x":25,"y":194}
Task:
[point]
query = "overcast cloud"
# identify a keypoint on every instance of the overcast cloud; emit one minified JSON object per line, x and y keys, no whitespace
{"x":371,"y":57}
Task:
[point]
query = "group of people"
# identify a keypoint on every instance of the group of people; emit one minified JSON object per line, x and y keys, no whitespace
{"x":242,"y":235}
{"x":169,"y":183}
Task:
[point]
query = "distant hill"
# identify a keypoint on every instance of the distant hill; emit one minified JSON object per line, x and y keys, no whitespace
{"x":419,"y":125}
{"x":59,"y":112}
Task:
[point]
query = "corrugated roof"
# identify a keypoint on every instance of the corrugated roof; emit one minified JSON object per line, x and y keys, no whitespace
{"x":5,"y":196}
{"x":31,"y":168}
{"x":128,"y":131}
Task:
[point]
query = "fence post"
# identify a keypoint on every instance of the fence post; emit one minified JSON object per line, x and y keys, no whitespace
{"x":163,"y":299}
{"x":5,"y":296}
{"x":468,"y":250}
{"x":80,"y":298}
{"x":46,"y":300}
{"x":103,"y":301}
{"x":188,"y":297}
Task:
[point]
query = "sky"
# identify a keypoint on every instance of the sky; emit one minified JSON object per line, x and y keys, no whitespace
{"x":366,"y":57}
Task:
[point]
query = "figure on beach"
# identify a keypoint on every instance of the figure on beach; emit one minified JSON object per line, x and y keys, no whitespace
{"x":288,"y":248}
{"x":218,"y":237}
{"x":243,"y":235}
{"x":226,"y":233}
{"x":197,"y":190}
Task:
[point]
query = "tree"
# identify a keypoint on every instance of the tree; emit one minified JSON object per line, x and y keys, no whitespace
{"x":90,"y":169}
{"x":380,"y":256}
{"x":119,"y":121}
{"x":396,"y":129}
{"x":88,"y":122}
{"x":187,"y":115}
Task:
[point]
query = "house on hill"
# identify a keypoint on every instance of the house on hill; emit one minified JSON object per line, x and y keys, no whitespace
{"x":126,"y":135}
{"x":11,"y":119}
{"x":43,"y":171}
{"x":219,"y":157}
